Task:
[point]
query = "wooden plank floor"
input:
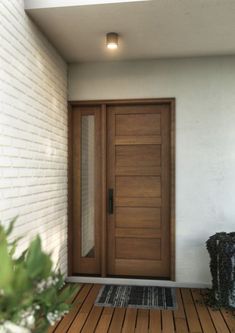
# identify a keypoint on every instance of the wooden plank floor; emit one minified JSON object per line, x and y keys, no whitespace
{"x":191,"y":316}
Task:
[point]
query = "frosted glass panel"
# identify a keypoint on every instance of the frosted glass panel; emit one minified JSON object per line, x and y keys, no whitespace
{"x":88,"y":185}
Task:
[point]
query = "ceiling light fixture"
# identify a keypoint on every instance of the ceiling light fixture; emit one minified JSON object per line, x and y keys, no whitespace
{"x":112,"y":40}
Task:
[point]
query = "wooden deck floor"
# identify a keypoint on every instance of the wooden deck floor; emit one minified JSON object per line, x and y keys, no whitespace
{"x":190,"y":316}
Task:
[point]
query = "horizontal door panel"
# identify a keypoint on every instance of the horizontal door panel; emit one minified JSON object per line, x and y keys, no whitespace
{"x":138,"y":108}
{"x":138,"y":202}
{"x":138,"y":140}
{"x":138,"y":159}
{"x":138,"y":248}
{"x":139,"y":217}
{"x":140,"y":267}
{"x":138,"y":186}
{"x":139,"y":233}
{"x":137,"y":171}
{"x":138,"y":124}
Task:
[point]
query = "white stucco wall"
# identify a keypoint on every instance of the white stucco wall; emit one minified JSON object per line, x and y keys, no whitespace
{"x":33,"y":132}
{"x":204,"y":89}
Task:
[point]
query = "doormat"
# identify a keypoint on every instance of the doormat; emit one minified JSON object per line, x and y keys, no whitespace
{"x":137,"y":297}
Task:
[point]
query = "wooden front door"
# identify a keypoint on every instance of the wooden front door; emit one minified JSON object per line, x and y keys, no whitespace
{"x":138,"y":187}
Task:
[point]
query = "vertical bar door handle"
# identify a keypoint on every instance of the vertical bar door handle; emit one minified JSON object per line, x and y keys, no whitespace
{"x":110,"y":201}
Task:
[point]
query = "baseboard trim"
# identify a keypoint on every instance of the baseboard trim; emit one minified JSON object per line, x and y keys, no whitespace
{"x":135,"y":282}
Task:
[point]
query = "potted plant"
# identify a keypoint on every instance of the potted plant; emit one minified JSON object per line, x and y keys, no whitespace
{"x":221,"y":248}
{"x":32,"y":293}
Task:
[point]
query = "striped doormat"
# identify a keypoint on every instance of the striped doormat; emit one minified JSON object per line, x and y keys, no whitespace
{"x":137,"y":297}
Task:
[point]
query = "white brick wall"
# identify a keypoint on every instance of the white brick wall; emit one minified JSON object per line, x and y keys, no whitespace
{"x":33,"y":132}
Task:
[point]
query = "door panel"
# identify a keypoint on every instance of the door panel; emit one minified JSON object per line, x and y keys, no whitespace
{"x":137,"y":232}
{"x":138,"y":217}
{"x":138,"y":248}
{"x":138,"y":202}
{"x":137,"y":140}
{"x":138,"y":159}
{"x":137,"y":124}
{"x":139,"y":174}
{"x":138,"y":186}
{"x":138,"y":268}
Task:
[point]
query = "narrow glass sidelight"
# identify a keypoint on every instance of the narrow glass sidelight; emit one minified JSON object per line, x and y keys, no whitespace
{"x":110,"y":201}
{"x":88,"y":186}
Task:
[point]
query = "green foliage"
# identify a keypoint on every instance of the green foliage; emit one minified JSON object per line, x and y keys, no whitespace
{"x":7,"y":273}
{"x":32,"y":294}
{"x":38,"y":264}
{"x":221,"y":248}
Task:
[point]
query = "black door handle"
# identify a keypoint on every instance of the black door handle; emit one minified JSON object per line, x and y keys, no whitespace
{"x":110,"y":201}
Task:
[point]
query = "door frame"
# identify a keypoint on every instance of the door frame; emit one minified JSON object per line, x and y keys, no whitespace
{"x":103,"y":106}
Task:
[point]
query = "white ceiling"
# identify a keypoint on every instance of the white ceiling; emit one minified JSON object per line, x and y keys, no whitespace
{"x":148,"y":29}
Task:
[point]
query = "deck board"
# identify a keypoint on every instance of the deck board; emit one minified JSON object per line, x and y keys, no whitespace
{"x":64,"y":324}
{"x":142,"y":321}
{"x":83,"y":314}
{"x":191,"y":312}
{"x":130,"y":321}
{"x":105,"y":320}
{"x":167,"y":322}
{"x":191,"y":316}
{"x":155,"y":321}
{"x":203,"y":313}
{"x":230,"y":321}
{"x":218,"y":321}
{"x":117,"y":321}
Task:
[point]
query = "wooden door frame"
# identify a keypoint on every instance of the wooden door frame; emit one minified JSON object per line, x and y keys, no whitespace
{"x":103,"y":106}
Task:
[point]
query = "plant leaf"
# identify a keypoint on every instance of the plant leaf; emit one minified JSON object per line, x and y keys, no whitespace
{"x":38,"y":263}
{"x":6,"y":272}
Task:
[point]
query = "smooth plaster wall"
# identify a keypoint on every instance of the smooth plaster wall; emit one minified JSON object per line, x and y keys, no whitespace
{"x":204,"y":89}
{"x":33,"y":132}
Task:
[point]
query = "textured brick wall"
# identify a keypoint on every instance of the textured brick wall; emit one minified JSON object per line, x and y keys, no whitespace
{"x":33,"y":132}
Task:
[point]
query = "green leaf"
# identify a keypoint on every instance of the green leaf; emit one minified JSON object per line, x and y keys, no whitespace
{"x":2,"y":233}
{"x":38,"y":263}
{"x":48,"y":297}
{"x":6,"y":271}
{"x":21,"y":280}
{"x":47,"y":265}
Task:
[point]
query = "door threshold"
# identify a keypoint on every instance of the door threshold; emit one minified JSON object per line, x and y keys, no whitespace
{"x":135,"y":282}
